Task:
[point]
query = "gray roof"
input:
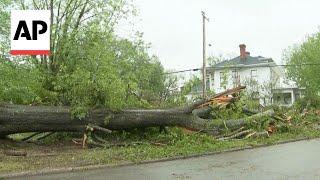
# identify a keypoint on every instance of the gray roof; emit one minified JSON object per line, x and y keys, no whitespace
{"x":250,"y":60}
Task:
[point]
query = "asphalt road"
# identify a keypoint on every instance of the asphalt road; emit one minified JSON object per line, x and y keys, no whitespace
{"x":297,"y":160}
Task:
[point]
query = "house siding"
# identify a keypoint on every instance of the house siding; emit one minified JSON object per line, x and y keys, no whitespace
{"x":263,"y":78}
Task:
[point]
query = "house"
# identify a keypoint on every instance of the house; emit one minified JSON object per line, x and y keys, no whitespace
{"x":263,"y":78}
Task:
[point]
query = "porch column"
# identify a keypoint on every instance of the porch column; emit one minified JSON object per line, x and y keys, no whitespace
{"x":292,"y":97}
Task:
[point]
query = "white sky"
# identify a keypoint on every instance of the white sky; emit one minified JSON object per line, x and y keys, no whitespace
{"x":174,"y":27}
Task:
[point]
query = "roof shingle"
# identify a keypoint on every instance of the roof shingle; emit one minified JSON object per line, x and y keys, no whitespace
{"x":250,"y":60}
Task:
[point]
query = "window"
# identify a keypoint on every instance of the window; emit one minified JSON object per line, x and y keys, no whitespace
{"x":234,"y":74}
{"x":221,"y":79}
{"x":254,"y":75}
{"x":208,"y":82}
{"x":212,"y":80}
{"x":235,"y":78}
{"x":287,"y":98}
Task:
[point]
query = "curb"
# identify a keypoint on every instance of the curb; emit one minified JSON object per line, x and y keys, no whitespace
{"x":92,"y":167}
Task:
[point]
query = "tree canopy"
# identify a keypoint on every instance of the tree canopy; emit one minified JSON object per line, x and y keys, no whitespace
{"x":303,"y":64}
{"x":89,"y":66}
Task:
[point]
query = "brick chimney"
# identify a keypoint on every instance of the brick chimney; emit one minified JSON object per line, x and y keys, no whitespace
{"x":243,"y":51}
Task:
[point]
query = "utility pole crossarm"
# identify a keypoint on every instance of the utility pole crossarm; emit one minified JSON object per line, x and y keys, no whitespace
{"x":204,"y":15}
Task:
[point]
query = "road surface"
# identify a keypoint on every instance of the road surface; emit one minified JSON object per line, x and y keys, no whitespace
{"x":297,"y":160}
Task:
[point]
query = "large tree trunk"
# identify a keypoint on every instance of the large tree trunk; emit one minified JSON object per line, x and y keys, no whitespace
{"x":20,"y":119}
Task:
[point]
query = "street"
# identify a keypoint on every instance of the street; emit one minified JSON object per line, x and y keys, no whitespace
{"x":297,"y":160}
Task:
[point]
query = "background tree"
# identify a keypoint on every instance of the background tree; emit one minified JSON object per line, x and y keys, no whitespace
{"x":303,"y":61}
{"x":4,"y":28}
{"x":213,"y":60}
{"x":90,"y":65}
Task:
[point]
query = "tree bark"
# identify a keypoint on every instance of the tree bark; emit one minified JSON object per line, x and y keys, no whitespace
{"x":20,"y":119}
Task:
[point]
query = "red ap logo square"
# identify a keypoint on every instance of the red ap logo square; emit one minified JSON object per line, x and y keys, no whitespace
{"x":30,"y":32}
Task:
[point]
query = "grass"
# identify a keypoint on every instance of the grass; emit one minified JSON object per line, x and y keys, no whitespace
{"x":176,"y":143}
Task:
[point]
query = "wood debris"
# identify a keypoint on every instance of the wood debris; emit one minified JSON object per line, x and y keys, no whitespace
{"x":15,"y":153}
{"x":224,"y":98}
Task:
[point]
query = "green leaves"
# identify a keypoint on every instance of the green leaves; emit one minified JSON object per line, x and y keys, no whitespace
{"x":303,"y":61}
{"x":90,"y":65}
{"x":19,"y":83}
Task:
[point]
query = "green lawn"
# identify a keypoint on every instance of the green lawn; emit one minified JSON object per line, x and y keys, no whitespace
{"x":176,"y":143}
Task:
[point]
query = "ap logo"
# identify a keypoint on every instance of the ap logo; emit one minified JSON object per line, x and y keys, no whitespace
{"x":30,"y":32}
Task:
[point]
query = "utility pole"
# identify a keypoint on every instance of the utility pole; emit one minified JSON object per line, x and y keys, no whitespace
{"x":204,"y":19}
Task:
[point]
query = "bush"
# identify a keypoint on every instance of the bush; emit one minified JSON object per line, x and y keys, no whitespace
{"x":307,"y":103}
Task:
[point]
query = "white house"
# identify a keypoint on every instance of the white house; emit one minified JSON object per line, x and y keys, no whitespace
{"x":263,"y":78}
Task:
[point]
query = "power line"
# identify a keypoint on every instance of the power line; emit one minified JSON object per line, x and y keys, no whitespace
{"x":186,"y":70}
{"x":224,"y":67}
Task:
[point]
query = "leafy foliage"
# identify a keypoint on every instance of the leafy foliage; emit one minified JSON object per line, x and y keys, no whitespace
{"x":90,"y":65}
{"x":173,"y":95}
{"x":235,"y":110}
{"x":4,"y":28}
{"x":305,"y":75}
{"x":20,"y":84}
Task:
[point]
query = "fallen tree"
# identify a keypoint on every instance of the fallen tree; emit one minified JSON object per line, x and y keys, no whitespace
{"x":20,"y":119}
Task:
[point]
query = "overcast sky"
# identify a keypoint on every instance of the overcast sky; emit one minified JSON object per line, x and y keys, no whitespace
{"x":174,"y":27}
